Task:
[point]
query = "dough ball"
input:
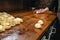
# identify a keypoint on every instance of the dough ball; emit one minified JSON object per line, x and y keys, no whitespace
{"x":18,"y":20}
{"x":37,"y":25}
{"x":2,"y":28}
{"x":7,"y":27}
{"x":5,"y":23}
{"x":40,"y":22}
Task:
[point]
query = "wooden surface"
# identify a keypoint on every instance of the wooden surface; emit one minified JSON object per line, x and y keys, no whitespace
{"x":26,"y":30}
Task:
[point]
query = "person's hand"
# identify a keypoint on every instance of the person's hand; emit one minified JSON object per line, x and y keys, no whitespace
{"x":41,"y":10}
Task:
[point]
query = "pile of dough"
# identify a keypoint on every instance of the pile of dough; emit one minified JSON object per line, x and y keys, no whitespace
{"x":39,"y":24}
{"x":7,"y":21}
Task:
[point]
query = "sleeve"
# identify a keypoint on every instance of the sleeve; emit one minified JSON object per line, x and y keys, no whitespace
{"x":53,"y":5}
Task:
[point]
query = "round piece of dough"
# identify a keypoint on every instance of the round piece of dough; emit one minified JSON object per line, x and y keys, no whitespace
{"x":5,"y":23}
{"x":37,"y":25}
{"x":2,"y":28}
{"x":7,"y":27}
{"x":40,"y":22}
{"x":18,"y":20}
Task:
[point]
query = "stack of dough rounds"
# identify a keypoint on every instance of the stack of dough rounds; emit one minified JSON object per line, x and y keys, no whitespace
{"x":39,"y":24}
{"x":7,"y":21}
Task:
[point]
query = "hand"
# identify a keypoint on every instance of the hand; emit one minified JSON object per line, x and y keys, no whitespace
{"x":41,"y":10}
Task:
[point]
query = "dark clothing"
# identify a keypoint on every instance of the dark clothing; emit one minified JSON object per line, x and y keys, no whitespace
{"x":31,"y":3}
{"x":36,"y":3}
{"x":57,"y":34}
{"x":53,"y":5}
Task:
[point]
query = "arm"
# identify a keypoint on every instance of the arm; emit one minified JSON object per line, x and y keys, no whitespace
{"x":54,"y":4}
{"x":42,"y":10}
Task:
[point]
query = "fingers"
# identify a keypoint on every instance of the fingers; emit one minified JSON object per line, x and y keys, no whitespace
{"x":41,"y":10}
